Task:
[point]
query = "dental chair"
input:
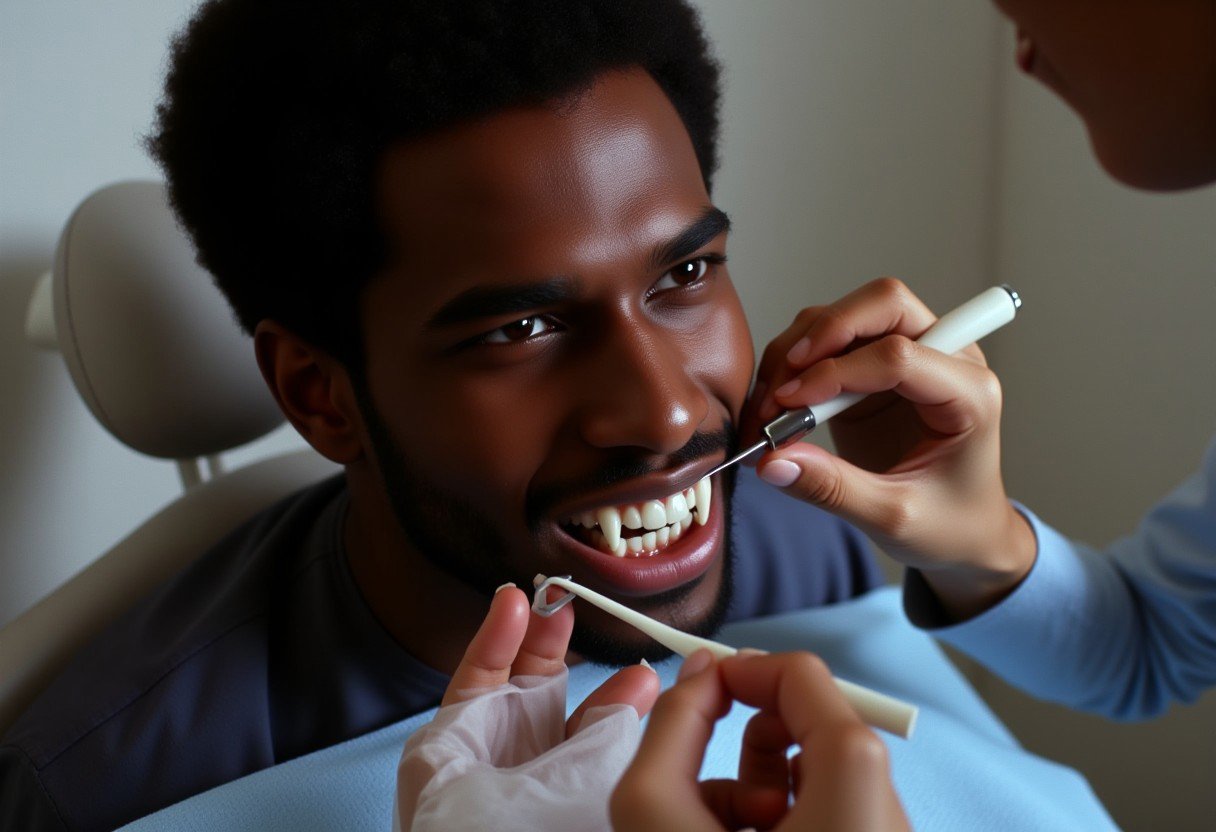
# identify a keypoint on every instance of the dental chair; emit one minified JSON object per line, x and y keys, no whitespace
{"x":158,"y":358}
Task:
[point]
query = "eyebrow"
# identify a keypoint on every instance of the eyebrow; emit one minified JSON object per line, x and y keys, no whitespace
{"x":711,"y":223}
{"x":482,"y":302}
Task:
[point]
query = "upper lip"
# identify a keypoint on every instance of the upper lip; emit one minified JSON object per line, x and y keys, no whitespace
{"x":654,"y":486}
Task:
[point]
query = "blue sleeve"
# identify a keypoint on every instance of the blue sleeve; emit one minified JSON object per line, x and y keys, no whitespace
{"x":25,"y":805}
{"x":1121,"y":632}
{"x":788,"y":555}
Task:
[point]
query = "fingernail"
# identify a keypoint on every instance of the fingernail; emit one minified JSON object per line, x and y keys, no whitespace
{"x":789,"y":388}
{"x":646,"y":665}
{"x":799,"y":351}
{"x":694,"y":664}
{"x":780,"y":472}
{"x":504,"y":586}
{"x":751,"y":651}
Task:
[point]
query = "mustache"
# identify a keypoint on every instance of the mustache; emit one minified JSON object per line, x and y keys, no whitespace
{"x":627,"y":466}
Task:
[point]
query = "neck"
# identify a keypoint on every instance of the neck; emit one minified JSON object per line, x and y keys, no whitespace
{"x":428,"y":612}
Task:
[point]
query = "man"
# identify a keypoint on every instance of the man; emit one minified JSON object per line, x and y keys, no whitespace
{"x":475,"y":247}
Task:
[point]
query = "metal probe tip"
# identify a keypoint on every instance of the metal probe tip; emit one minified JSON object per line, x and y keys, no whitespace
{"x":759,"y":447}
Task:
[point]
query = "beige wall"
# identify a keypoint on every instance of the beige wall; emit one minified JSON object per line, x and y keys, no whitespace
{"x":858,"y":143}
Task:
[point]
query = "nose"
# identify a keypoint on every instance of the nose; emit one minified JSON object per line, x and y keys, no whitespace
{"x":640,"y":391}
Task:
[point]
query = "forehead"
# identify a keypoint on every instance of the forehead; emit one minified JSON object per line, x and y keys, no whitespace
{"x":541,"y":189}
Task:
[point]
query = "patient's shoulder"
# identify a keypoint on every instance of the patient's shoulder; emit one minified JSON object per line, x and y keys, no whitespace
{"x":180,"y":677}
{"x":789,"y":555}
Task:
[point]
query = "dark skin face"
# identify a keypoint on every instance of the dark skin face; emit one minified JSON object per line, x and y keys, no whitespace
{"x":1141,"y":74}
{"x":554,"y":332}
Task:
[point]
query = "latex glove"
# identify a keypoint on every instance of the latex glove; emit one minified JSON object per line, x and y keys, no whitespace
{"x":500,"y":753}
{"x":840,"y":779}
{"x":918,"y":464}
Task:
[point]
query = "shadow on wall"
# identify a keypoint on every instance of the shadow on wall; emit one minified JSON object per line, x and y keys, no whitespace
{"x":25,"y":379}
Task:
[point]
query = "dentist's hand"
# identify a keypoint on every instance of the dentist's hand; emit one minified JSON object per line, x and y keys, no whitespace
{"x":919,"y":460}
{"x":840,"y":779}
{"x":512,"y":641}
{"x":500,"y":753}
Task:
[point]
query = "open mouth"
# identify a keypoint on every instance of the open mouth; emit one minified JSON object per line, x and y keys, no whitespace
{"x":1026,"y":52}
{"x":643,"y":529}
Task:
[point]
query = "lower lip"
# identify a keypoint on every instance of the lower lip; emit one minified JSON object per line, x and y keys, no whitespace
{"x":1026,"y":53}
{"x":685,"y":560}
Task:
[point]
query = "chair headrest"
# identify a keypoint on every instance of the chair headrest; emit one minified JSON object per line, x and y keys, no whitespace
{"x":151,"y":344}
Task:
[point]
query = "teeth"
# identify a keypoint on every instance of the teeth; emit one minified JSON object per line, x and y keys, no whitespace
{"x":610,"y":525}
{"x":677,"y":507}
{"x":662,"y":522}
{"x":631,"y":518}
{"x":654,"y":515}
{"x":703,"y":491}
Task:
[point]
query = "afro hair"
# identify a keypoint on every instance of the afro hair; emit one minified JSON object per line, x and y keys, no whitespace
{"x":276,"y":114}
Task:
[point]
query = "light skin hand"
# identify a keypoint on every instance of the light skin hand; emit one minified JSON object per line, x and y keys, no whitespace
{"x":918,"y":464}
{"x":840,"y":779}
{"x":513,"y":641}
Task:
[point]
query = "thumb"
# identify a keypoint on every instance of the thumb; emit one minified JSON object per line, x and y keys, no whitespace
{"x":813,"y":475}
{"x":636,"y":685}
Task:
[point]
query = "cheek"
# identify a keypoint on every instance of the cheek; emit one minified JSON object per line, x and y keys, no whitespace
{"x":724,"y":354}
{"x":481,"y":438}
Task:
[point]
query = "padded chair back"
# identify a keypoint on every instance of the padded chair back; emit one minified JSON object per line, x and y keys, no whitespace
{"x":151,"y":344}
{"x":156,"y":354}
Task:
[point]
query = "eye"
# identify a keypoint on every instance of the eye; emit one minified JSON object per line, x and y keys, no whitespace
{"x":520,"y":330}
{"x":687,"y":273}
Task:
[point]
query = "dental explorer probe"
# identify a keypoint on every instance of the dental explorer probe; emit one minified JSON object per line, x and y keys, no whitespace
{"x":983,"y":315}
{"x":875,"y":709}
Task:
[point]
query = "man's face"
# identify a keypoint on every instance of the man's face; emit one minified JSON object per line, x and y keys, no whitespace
{"x":1140,"y":73}
{"x":555,"y":349}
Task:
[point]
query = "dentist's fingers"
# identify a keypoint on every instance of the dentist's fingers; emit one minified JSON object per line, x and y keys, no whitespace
{"x":636,"y":685}
{"x":930,"y":439}
{"x":881,"y":307}
{"x":543,"y":652}
{"x":762,"y":756}
{"x":760,"y":796}
{"x":813,"y":475}
{"x":951,"y":393}
{"x":844,"y":777}
{"x":659,"y":790}
{"x":796,"y":687}
{"x":488,"y":658}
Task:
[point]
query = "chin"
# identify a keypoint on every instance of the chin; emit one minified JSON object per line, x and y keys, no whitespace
{"x":1156,"y":170}
{"x":698,"y":608}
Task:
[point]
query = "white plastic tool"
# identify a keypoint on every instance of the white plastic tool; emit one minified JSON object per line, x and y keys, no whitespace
{"x":875,"y":709}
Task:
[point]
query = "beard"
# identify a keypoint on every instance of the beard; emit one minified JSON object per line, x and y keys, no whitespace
{"x":450,"y":532}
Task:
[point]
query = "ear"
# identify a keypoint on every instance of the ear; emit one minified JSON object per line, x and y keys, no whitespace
{"x":313,"y":390}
